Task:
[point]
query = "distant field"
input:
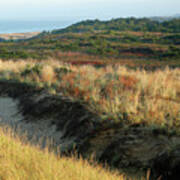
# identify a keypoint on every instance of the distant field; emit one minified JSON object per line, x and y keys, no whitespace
{"x":16,"y":36}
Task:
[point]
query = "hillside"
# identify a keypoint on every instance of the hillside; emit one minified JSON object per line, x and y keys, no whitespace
{"x":165,"y":18}
{"x":124,"y":24}
{"x":98,"y":42}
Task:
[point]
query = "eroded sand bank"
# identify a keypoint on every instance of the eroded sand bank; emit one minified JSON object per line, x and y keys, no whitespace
{"x":37,"y":132}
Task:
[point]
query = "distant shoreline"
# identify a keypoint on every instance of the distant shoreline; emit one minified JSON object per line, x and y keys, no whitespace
{"x":22,"y":26}
{"x":16,"y":36}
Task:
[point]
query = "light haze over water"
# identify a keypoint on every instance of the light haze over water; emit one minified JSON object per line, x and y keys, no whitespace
{"x":20,"y":26}
{"x":39,"y":15}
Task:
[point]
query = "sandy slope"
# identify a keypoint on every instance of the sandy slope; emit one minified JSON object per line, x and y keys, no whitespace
{"x":37,"y":132}
{"x":15,"y":36}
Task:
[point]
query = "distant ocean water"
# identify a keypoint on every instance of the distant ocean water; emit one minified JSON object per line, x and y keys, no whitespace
{"x":12,"y":26}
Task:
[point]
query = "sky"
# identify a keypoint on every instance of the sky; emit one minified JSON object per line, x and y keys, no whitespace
{"x":85,"y":9}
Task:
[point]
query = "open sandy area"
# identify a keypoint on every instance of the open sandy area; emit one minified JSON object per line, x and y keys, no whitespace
{"x":16,"y":36}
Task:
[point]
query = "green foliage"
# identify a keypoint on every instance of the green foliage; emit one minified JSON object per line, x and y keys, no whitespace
{"x":36,"y":69}
{"x":6,"y":53}
{"x":173,"y":51}
{"x":124,"y":24}
{"x":127,"y":38}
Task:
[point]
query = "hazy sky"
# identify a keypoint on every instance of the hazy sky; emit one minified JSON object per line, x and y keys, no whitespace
{"x":84,"y":9}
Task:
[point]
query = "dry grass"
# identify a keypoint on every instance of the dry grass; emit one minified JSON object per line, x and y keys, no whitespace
{"x":114,"y":92}
{"x":14,"y":66}
{"x":132,"y":96}
{"x":48,"y":74}
{"x":22,"y":162}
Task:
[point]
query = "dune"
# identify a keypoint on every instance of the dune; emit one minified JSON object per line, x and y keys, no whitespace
{"x":18,"y":36}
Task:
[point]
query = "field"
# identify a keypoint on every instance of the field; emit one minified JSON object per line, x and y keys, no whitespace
{"x":115,"y":93}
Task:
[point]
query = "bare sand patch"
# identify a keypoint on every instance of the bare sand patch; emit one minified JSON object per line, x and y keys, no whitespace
{"x":16,"y":36}
{"x":40,"y":132}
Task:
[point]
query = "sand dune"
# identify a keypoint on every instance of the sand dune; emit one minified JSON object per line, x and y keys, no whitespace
{"x":16,"y":36}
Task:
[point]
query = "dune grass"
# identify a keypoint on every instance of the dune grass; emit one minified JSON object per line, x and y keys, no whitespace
{"x":22,"y":161}
{"x":115,"y":93}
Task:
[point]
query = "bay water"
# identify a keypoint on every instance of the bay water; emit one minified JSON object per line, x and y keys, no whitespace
{"x":21,"y":26}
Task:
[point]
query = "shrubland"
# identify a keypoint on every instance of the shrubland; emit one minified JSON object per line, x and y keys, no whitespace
{"x":130,"y":41}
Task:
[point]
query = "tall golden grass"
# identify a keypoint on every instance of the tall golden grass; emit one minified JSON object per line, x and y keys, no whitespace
{"x":22,"y":161}
{"x":113,"y":92}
